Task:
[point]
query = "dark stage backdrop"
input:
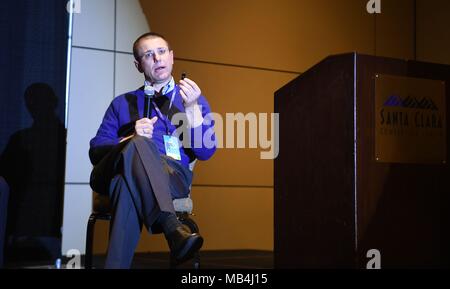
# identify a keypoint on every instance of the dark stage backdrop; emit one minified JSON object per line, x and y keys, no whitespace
{"x":33,"y":36}
{"x":33,"y":54}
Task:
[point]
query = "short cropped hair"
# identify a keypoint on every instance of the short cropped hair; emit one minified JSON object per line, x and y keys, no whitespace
{"x":147,"y":35}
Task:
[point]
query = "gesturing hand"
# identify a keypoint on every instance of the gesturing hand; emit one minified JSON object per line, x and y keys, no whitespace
{"x":190,"y":92}
{"x":144,"y":126}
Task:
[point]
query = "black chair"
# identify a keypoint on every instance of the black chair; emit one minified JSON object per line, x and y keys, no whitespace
{"x":101,"y":210}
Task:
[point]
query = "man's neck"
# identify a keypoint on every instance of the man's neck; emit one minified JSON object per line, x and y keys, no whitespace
{"x":159,"y":86}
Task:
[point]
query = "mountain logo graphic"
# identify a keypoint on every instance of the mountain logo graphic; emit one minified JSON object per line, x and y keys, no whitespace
{"x":410,"y":102}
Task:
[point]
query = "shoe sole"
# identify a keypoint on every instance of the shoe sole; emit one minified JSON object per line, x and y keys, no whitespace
{"x":192,"y":245}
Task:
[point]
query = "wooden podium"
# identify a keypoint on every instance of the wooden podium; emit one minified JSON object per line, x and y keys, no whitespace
{"x":340,"y":190}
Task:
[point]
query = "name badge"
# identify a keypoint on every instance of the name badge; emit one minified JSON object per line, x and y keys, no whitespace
{"x":172,"y":146}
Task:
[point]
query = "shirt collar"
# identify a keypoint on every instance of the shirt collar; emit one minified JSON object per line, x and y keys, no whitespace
{"x":167,"y":88}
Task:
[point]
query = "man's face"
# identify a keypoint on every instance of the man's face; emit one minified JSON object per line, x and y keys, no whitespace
{"x":155,"y":59}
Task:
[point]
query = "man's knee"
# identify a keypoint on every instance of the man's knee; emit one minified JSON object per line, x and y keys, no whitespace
{"x":140,"y":142}
{"x":141,"y":139}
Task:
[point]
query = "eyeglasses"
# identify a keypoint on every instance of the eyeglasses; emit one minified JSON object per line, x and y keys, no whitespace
{"x":150,"y":54}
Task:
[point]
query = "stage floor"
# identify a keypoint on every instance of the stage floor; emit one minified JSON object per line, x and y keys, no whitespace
{"x":221,"y":259}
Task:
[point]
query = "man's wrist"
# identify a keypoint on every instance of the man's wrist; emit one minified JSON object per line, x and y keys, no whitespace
{"x":194,"y":115}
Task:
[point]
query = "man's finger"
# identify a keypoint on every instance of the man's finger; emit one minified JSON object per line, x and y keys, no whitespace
{"x":143,"y":120}
{"x":192,"y":84}
{"x":154,"y":119}
{"x":187,"y":88}
{"x":186,"y":85}
{"x":183,"y":95}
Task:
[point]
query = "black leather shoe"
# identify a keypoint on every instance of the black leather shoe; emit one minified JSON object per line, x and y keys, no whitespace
{"x":183,"y":245}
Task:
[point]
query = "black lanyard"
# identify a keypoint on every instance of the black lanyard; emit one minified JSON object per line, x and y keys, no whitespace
{"x":164,"y":118}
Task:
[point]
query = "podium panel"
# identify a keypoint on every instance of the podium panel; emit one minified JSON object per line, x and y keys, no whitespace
{"x":334,"y":199}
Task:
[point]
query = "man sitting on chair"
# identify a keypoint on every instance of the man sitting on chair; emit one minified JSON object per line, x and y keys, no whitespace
{"x":143,"y":162}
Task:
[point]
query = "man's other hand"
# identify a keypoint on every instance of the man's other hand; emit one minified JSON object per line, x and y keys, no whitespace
{"x":144,"y":126}
{"x":190,"y":92}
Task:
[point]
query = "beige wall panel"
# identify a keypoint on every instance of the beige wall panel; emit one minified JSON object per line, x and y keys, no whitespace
{"x":228,"y":218}
{"x":232,"y":90}
{"x":282,"y":34}
{"x":231,"y":218}
{"x":395,"y":29}
{"x":101,"y":237}
{"x":433,"y":34}
{"x":147,"y":242}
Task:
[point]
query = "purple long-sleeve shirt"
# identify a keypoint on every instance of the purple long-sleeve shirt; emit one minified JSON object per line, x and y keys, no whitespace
{"x":125,"y":109}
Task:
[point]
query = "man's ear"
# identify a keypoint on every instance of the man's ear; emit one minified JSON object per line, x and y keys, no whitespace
{"x":138,"y":66}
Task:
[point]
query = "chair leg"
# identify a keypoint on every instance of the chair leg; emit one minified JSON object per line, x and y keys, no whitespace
{"x":89,"y":241}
